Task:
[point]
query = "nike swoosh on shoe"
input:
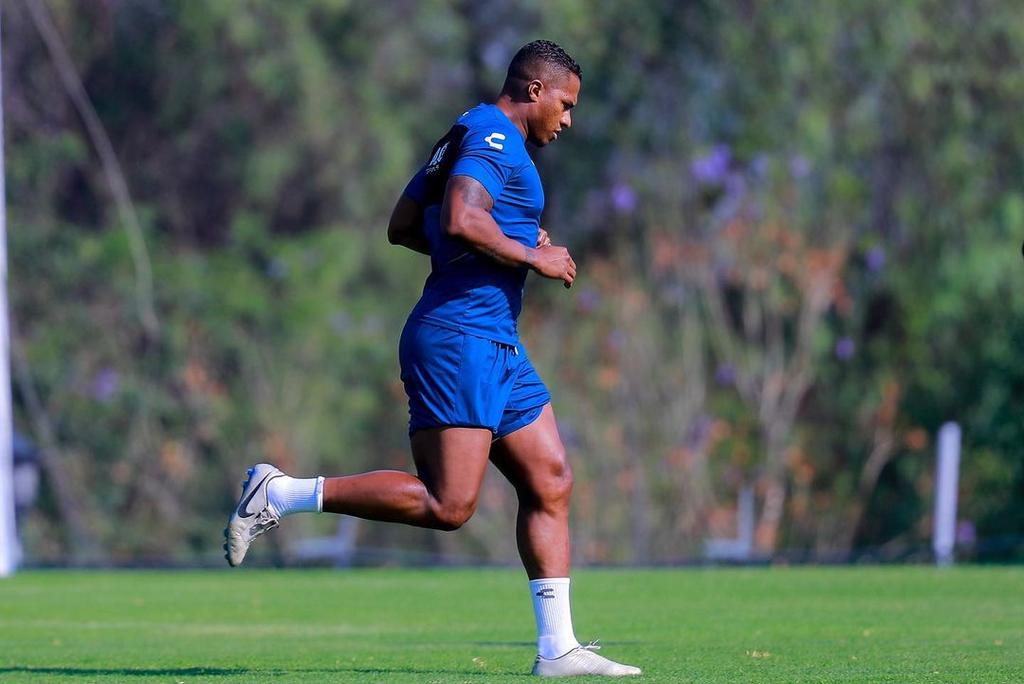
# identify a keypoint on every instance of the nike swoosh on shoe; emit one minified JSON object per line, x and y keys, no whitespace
{"x":243,"y":508}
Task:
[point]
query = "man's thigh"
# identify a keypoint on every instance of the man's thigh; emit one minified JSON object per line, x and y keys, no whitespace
{"x":451,"y":461}
{"x":533,"y":457}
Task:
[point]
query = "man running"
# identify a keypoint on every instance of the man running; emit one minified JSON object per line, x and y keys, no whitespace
{"x":474,"y":396}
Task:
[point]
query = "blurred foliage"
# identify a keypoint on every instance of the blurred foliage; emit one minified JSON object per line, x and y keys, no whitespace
{"x":798,"y":231}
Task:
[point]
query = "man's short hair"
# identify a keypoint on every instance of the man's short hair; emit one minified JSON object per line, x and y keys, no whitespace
{"x":535,"y":60}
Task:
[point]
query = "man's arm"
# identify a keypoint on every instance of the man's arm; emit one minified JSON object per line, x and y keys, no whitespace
{"x":466,"y":214}
{"x":406,"y":226}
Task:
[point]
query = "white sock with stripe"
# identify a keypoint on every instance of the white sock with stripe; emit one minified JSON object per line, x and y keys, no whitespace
{"x":287,"y":495}
{"x":554,"y":618}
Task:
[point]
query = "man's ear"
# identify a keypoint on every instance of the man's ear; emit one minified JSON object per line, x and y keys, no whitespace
{"x":533,"y":89}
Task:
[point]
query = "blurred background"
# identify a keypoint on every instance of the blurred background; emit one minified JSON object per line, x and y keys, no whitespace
{"x":799,"y":234}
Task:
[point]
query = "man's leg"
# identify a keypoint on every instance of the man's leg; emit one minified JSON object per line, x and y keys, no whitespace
{"x":533,"y":459}
{"x":450,"y":464}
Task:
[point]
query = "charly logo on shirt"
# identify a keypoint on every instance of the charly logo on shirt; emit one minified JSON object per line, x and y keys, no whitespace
{"x":490,"y":140}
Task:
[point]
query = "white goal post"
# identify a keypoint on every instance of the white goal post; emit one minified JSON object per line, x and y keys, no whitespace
{"x":9,"y":548}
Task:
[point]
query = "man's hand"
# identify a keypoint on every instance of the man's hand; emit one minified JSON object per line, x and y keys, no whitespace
{"x":554,"y":262}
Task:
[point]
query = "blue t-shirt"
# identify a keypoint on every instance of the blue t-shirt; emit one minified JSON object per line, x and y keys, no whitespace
{"x":467,"y":290}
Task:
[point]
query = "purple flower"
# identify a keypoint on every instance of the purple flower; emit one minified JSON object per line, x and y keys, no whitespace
{"x":623,"y":199}
{"x":725,"y":374}
{"x":799,"y":166}
{"x":845,"y":348}
{"x":105,"y":385}
{"x":698,"y":431}
{"x":588,"y":299}
{"x":875,"y":259}
{"x":674,"y":293}
{"x":735,"y":186}
{"x":616,"y":339}
{"x":760,"y":165}
{"x":712,"y":167}
{"x":731,"y":201}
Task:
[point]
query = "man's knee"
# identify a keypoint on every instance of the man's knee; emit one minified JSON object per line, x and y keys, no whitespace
{"x":563,"y":486}
{"x":555,"y":488}
{"x":453,"y":515}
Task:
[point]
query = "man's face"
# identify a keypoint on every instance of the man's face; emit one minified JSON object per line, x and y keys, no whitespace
{"x":554,"y":100}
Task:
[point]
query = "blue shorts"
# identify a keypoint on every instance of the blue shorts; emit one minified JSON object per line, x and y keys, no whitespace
{"x":456,"y":379}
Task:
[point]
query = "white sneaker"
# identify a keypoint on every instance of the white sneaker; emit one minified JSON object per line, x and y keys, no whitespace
{"x":252,"y":516}
{"x":582,"y":661}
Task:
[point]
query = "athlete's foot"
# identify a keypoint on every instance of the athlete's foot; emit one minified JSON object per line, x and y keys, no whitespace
{"x":582,"y":661}
{"x":252,"y":516}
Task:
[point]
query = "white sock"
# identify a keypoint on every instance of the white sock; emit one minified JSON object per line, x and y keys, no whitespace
{"x":554,"y":618}
{"x":287,"y":495}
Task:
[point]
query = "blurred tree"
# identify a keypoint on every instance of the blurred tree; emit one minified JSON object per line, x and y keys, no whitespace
{"x":798,"y":233}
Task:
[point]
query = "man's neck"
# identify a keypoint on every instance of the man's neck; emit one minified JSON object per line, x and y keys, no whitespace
{"x":510,"y":109}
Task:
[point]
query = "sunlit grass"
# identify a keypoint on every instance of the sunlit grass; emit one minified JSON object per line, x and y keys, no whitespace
{"x":755,"y":625}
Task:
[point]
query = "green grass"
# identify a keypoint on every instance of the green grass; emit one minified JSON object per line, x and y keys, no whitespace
{"x":751,"y":625}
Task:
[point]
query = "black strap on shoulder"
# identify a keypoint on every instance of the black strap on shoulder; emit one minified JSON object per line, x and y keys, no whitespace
{"x":439,"y":164}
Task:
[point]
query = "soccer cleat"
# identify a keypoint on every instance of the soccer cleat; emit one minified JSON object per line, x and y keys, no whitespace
{"x":582,"y":661}
{"x":252,"y":516}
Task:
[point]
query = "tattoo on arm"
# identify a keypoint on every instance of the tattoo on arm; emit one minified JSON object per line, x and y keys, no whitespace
{"x":472,"y":192}
{"x":484,"y":234}
{"x":503,"y":258}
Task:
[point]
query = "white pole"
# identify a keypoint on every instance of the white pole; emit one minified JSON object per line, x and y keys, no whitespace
{"x":745,"y":522}
{"x":947,"y":477}
{"x":8,"y":532}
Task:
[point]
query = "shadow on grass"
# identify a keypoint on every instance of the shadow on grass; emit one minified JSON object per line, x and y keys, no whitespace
{"x":484,"y":674}
{"x":132,"y":671}
{"x":230,"y":671}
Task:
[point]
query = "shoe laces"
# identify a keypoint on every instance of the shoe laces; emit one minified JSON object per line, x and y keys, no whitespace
{"x":266,"y":516}
{"x":592,"y":646}
{"x":265,"y":521}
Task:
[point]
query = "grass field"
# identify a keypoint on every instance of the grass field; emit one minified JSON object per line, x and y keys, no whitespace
{"x":748,"y":625}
